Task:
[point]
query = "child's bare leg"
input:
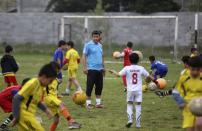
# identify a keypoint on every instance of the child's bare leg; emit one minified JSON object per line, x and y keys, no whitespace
{"x":76,"y":83}
{"x":198,"y":124}
{"x":190,"y":129}
{"x":69,"y":85}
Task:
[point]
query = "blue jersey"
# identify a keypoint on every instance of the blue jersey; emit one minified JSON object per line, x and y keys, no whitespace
{"x":58,"y":55}
{"x":94,"y":53}
{"x":159,"y":68}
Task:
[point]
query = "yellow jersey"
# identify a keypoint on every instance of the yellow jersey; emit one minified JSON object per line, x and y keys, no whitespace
{"x":32,"y":93}
{"x":191,"y":88}
{"x":72,"y":56}
{"x":183,"y":75}
{"x":52,"y":89}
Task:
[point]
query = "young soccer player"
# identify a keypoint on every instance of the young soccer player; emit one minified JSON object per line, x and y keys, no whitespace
{"x":125,"y":54}
{"x":57,"y":106}
{"x":72,"y":60}
{"x":6,"y":97}
{"x":134,"y":74}
{"x":58,"y":57}
{"x":9,"y":66}
{"x":159,"y":69}
{"x":184,"y":73}
{"x":191,"y":88}
{"x":194,"y":52}
{"x":29,"y":98}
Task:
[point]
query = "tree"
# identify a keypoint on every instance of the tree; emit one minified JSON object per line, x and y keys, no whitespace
{"x":151,"y":6}
{"x":71,"y":5}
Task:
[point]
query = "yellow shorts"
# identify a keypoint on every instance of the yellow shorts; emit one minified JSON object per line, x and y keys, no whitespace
{"x":72,"y":72}
{"x":188,"y":118}
{"x":28,"y":122}
{"x":53,"y":104}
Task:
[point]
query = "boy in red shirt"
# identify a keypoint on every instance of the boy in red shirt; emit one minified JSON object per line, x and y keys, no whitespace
{"x":125,"y":55}
{"x":6,"y":97}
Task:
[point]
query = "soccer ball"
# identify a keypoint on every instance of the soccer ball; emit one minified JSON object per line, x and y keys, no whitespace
{"x":162,"y":83}
{"x":79,"y":97}
{"x":152,"y":86}
{"x":116,"y":54}
{"x":195,"y":106}
{"x":144,"y":88}
{"x":139,"y":54}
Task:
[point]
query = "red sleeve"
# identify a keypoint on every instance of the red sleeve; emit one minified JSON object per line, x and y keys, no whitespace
{"x":65,"y":61}
{"x":78,"y":60}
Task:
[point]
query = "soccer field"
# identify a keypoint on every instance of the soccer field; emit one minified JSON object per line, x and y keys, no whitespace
{"x":158,"y":114}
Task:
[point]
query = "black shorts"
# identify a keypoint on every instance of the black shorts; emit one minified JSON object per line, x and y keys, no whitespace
{"x":94,"y":78}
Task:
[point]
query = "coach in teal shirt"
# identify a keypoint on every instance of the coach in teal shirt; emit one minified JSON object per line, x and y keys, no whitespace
{"x":93,"y":52}
{"x":93,"y":67}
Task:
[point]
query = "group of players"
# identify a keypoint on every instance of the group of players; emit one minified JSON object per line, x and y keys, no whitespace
{"x":42,"y":92}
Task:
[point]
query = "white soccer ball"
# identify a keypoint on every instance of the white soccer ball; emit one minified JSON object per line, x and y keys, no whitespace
{"x":195,"y":106}
{"x":139,"y":54}
{"x":152,"y":86}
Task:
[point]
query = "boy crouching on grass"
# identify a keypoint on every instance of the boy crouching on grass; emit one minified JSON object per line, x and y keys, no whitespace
{"x":134,"y":74}
{"x":56,"y":106}
{"x":29,"y":98}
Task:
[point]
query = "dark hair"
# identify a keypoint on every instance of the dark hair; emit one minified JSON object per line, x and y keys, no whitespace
{"x":70,"y":43}
{"x":193,"y":49}
{"x":195,"y":62}
{"x":95,"y":32}
{"x":152,"y":58}
{"x":55,"y":65}
{"x":130,"y":44}
{"x":8,"y":49}
{"x":48,"y":70}
{"x":24,"y":81}
{"x":134,"y":58}
{"x":61,"y":43}
{"x":100,"y":32}
{"x":185,"y":59}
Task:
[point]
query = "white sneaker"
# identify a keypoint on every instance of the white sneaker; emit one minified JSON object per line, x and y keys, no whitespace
{"x":138,"y":126}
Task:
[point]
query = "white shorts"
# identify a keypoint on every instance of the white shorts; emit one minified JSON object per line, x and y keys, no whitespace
{"x":134,"y":96}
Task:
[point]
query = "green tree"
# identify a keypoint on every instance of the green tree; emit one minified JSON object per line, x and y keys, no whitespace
{"x":151,"y":6}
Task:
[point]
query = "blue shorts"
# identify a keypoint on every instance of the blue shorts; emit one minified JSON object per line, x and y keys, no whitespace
{"x":59,"y":77}
{"x":161,"y":74}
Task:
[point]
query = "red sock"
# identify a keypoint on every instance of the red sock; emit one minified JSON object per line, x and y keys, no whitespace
{"x":53,"y":126}
{"x":66,"y":114}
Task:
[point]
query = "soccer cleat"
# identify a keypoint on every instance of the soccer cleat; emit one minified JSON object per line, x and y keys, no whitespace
{"x":99,"y":106}
{"x":65,"y":94}
{"x":125,"y":90}
{"x":129,"y":124}
{"x":159,"y":93}
{"x":4,"y":129}
{"x":74,"y":125}
{"x":90,"y":106}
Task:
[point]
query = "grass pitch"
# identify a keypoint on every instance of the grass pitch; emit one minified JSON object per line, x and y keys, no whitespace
{"x":158,"y":114}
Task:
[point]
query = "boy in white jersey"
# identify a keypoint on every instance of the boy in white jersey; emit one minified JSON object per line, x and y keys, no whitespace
{"x":134,"y":75}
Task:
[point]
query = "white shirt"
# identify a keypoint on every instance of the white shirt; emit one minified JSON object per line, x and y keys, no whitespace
{"x":134,"y":75}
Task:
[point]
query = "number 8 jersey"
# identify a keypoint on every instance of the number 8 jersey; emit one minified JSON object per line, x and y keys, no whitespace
{"x":134,"y":74}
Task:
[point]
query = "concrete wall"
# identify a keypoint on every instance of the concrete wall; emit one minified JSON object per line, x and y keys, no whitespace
{"x":44,"y":28}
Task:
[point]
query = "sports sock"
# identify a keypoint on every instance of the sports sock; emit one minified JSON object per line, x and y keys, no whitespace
{"x":130,"y":112}
{"x":53,"y":127}
{"x":67,"y":90}
{"x":79,"y":88}
{"x":6,"y":122}
{"x":98,"y":101}
{"x":88,"y":102}
{"x":166,"y":93}
{"x":138,"y":109}
{"x":66,"y":114}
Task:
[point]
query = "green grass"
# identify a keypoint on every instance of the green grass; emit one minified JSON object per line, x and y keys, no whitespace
{"x":157,"y":114}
